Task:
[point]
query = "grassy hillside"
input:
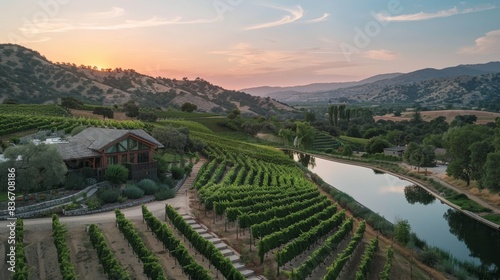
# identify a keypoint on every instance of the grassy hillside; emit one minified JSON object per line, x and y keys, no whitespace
{"x":28,"y":77}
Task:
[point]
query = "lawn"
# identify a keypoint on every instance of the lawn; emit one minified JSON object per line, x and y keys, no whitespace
{"x":493,"y":218}
{"x":362,"y":141}
{"x":466,"y":204}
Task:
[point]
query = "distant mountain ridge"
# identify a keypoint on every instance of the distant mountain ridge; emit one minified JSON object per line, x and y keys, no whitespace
{"x":462,"y":85}
{"x":460,"y":70}
{"x":275,"y":91}
{"x":28,"y":77}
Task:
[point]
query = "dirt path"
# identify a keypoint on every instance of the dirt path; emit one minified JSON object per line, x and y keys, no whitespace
{"x":41,"y":255}
{"x":169,"y":264}
{"x":83,"y":255}
{"x":471,"y":196}
{"x":123,"y":253}
{"x":438,"y":173}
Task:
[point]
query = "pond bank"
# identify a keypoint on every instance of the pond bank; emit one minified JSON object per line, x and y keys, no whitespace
{"x":407,"y":178}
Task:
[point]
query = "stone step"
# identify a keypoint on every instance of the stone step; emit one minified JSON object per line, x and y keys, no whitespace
{"x":207,"y":236}
{"x":214,"y":240}
{"x":190,"y":221}
{"x":234,"y":258}
{"x":247,"y":272}
{"x":201,"y":230}
{"x":227,"y":252}
{"x":221,"y":246}
{"x":196,"y":226}
{"x":186,"y":216}
{"x":253,"y":277}
{"x":239,"y":266}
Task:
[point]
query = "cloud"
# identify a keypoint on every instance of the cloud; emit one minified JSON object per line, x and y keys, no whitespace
{"x":16,"y":39}
{"x":439,"y":14}
{"x":246,"y":55}
{"x":113,"y":13}
{"x":61,"y":25}
{"x":245,"y":60}
{"x":489,"y":43}
{"x":324,"y":17}
{"x":295,"y":14}
{"x":381,"y":54}
{"x":392,"y":189}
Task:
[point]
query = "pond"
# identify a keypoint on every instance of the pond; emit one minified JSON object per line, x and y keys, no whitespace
{"x":433,"y":221}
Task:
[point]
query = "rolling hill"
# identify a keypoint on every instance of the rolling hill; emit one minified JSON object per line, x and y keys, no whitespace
{"x":463,"y":85}
{"x":282,"y":92}
{"x":28,"y":77}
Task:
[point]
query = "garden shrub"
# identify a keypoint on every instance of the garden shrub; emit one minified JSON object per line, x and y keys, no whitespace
{"x":93,"y":203}
{"x":168,"y":181}
{"x":149,"y":186}
{"x":429,"y":257}
{"x":116,"y":174}
{"x":164,"y":194}
{"x":177,"y":172}
{"x":133,"y":192}
{"x":109,"y":195}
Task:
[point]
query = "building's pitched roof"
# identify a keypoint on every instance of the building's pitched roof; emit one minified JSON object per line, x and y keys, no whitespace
{"x":75,"y":150}
{"x":88,"y":142}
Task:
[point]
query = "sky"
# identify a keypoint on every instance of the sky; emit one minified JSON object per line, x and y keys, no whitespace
{"x":242,"y":43}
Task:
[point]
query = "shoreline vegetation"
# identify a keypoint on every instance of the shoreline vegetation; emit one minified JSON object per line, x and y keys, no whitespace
{"x":447,"y":195}
{"x":430,"y":255}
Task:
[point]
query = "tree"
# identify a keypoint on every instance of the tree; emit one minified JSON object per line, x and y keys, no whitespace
{"x":376,"y":145}
{"x":10,"y":101}
{"x":347,"y":151}
{"x":305,"y":135}
{"x":330,"y":114}
{"x":435,"y":140}
{"x":147,"y":117}
{"x":462,"y":120}
{"x":116,"y":174}
{"x":419,"y":155}
{"x":402,"y":231}
{"x":251,"y":127}
{"x":131,"y":109}
{"x":175,"y":139}
{"x":458,"y":141}
{"x":335,"y":115}
{"x":234,"y":114}
{"x":105,"y":112}
{"x":491,"y":179}
{"x":478,"y":155}
{"x":416,"y":117}
{"x":287,"y":134}
{"x":188,"y":107}
{"x":342,"y":111}
{"x":309,"y":117}
{"x":70,"y":102}
{"x":396,"y":137}
{"x":428,"y":156}
{"x":37,"y":166}
{"x":408,"y":155}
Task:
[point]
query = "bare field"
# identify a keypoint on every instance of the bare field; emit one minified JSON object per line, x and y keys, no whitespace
{"x":482,"y":116}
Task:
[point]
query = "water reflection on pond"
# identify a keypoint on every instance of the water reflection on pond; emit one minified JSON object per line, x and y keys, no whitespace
{"x":435,"y":222}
